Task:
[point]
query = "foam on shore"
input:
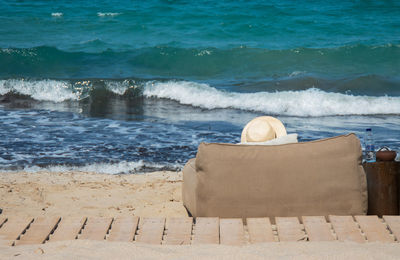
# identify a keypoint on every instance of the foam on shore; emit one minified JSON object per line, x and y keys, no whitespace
{"x":123,"y":167}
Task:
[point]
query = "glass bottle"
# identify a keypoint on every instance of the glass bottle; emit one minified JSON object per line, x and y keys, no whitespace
{"x":369,"y":146}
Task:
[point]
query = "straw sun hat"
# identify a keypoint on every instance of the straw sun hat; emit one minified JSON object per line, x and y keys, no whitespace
{"x":263,"y":128}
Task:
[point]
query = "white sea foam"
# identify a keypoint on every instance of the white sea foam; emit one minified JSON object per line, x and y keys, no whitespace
{"x":106,"y":168}
{"x":107,"y":14}
{"x":43,"y":90}
{"x":204,"y":52}
{"x":117,"y":87}
{"x":310,"y":102}
{"x":113,"y":125}
{"x":22,"y":52}
{"x":296,"y":73}
{"x":57,"y":14}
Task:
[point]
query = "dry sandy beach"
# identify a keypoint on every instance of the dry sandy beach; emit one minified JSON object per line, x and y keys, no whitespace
{"x":84,"y":249}
{"x":91,"y":194}
{"x":151,"y":194}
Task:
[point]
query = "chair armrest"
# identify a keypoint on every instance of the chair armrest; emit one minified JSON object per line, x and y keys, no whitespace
{"x":189,"y":186}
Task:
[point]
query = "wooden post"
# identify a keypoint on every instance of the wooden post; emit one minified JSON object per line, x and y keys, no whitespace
{"x":383,"y":187}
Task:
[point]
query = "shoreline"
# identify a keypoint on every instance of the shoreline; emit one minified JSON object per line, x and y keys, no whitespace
{"x":92,"y":194}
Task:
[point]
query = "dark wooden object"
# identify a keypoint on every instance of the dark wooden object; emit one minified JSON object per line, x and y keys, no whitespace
{"x":383,"y":187}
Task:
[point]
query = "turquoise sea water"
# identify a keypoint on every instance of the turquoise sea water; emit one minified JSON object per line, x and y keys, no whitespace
{"x":75,"y":69}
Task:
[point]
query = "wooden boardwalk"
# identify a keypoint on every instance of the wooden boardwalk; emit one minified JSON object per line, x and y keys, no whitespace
{"x":186,"y":231}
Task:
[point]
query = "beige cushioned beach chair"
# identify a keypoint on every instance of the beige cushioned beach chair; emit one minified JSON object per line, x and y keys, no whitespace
{"x":321,"y":177}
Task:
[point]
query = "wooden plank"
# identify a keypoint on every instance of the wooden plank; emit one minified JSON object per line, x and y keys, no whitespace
{"x":206,"y":231}
{"x":13,"y":228}
{"x":394,"y":225}
{"x":260,"y":230}
{"x":374,"y":229}
{"x":317,"y":228}
{"x":346,"y":229}
{"x":68,"y":229}
{"x":96,"y":228}
{"x":151,"y":230}
{"x":289,"y":229}
{"x":123,"y":229}
{"x":231,"y":231}
{"x":38,"y":231}
{"x":178,"y":231}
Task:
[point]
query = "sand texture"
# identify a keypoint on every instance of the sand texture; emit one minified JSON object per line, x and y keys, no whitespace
{"x":85,"y":249}
{"x":91,"y":194}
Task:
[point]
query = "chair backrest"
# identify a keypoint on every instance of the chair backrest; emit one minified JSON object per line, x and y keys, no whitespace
{"x":320,"y":177}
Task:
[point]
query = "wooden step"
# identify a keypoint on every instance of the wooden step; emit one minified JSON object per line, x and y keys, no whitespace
{"x":68,"y":229}
{"x":231,"y":231}
{"x":290,"y":229}
{"x":394,"y":225}
{"x":96,"y":228}
{"x":39,"y":231}
{"x":12,"y":229}
{"x":182,"y":231}
{"x":151,"y":230}
{"x":346,"y":229}
{"x":374,"y":229}
{"x":206,"y":231}
{"x":123,"y":229}
{"x":317,"y":228}
{"x":178,"y":231}
{"x":260,"y":230}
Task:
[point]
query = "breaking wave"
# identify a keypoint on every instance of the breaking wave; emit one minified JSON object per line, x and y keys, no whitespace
{"x":42,"y":90}
{"x":303,"y":103}
{"x":310,"y":102}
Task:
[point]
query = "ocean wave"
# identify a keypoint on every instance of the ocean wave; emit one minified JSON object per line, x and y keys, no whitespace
{"x":106,"y":168}
{"x":102,"y":59}
{"x":308,"y":102}
{"x":62,"y":90}
{"x":42,"y":90}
